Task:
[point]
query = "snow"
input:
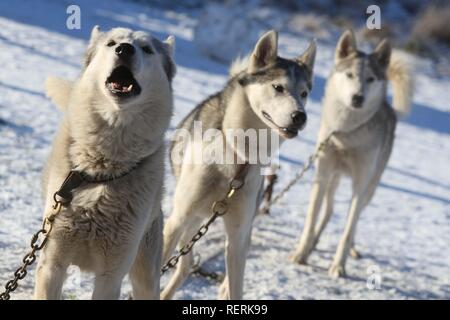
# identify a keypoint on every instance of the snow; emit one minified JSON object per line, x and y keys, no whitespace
{"x":403,"y":235}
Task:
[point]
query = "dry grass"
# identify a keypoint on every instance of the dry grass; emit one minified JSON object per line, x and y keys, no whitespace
{"x":433,"y":24}
{"x":313,"y":24}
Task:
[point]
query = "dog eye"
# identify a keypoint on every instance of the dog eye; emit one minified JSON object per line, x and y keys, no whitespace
{"x":278,"y":88}
{"x":147,"y":49}
{"x":304,"y":94}
{"x":349,"y":75}
{"x":370,"y":79}
{"x":111,"y":43}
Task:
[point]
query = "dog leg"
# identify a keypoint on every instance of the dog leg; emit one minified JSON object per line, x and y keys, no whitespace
{"x":118,"y":262}
{"x":337,"y":268}
{"x":183,"y":268}
{"x":267,"y":195}
{"x":145,"y":272}
{"x":328,"y":210}
{"x":353,"y":252}
{"x":50,"y":276}
{"x":323,"y":176}
{"x":223,"y":289}
{"x":238,"y":227}
{"x":107,"y":286}
{"x":304,"y":248}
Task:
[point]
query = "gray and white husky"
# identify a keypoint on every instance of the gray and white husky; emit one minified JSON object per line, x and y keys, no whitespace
{"x":266,"y":92}
{"x":115,"y":118}
{"x":355,"y":107}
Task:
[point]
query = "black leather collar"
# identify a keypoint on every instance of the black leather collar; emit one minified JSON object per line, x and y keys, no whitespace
{"x":76,"y":178}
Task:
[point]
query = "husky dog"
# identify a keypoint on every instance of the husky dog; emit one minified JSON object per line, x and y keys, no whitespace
{"x":116,"y":115}
{"x":265,"y":92}
{"x":355,"y":107}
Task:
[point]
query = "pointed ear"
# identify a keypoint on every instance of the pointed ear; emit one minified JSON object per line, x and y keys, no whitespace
{"x":265,"y":51}
{"x":95,"y":34}
{"x":382,"y":53}
{"x":309,"y":56}
{"x":166,"y":49}
{"x":345,"y":46}
{"x":170,"y":45}
{"x":90,"y":51}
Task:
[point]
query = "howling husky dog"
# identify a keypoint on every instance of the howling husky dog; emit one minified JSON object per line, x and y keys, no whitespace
{"x":267,"y":92}
{"x":116,"y":115}
{"x":355,"y":107}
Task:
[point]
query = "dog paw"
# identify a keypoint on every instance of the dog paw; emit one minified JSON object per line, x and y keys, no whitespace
{"x":299,"y":258}
{"x":354,"y":253}
{"x":223,"y":290}
{"x":223,"y":295}
{"x":336,"y":271}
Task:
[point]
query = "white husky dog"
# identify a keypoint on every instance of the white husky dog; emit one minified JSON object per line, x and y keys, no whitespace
{"x":265,"y":93}
{"x":355,"y":107}
{"x":116,"y":115}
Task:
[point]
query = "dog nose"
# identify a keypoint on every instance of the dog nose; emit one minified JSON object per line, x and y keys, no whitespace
{"x":357,"y":100}
{"x":125,"y":50}
{"x":299,"y":118}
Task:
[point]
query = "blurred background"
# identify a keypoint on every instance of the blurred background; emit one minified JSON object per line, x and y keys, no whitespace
{"x":417,"y":26}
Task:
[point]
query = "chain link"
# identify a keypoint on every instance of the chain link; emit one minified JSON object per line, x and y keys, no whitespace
{"x":199,"y":271}
{"x":219,"y":208}
{"x":38,"y":242}
{"x":305,"y":168}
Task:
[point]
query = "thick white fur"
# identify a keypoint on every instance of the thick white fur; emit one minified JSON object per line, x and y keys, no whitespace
{"x":58,"y":90}
{"x":360,"y":147}
{"x":199,"y":185}
{"x":110,"y":228}
{"x":238,"y":65}
{"x":399,"y":74}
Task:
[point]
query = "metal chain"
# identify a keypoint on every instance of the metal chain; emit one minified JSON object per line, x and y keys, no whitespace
{"x":219,"y":208}
{"x":305,"y":168}
{"x":199,"y":271}
{"x":30,"y":257}
{"x":224,"y":203}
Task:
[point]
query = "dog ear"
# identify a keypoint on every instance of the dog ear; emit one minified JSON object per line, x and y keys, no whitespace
{"x":345,"y":46}
{"x":170,"y":45}
{"x":166,"y":49}
{"x":309,"y":56}
{"x":265,"y":51}
{"x":90,"y":51}
{"x":382,"y":53}
{"x":169,"y":65}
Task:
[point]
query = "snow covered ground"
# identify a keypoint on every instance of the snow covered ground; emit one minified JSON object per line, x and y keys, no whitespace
{"x":404,"y":234}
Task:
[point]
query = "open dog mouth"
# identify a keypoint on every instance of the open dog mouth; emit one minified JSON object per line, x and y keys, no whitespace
{"x":121,"y":83}
{"x":285,"y":132}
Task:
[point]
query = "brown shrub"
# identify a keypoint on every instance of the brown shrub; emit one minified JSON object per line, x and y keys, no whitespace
{"x":433,"y":24}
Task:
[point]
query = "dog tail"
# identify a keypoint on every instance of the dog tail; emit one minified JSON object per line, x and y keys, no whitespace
{"x":58,"y":90}
{"x":238,"y":65}
{"x":400,"y":74}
